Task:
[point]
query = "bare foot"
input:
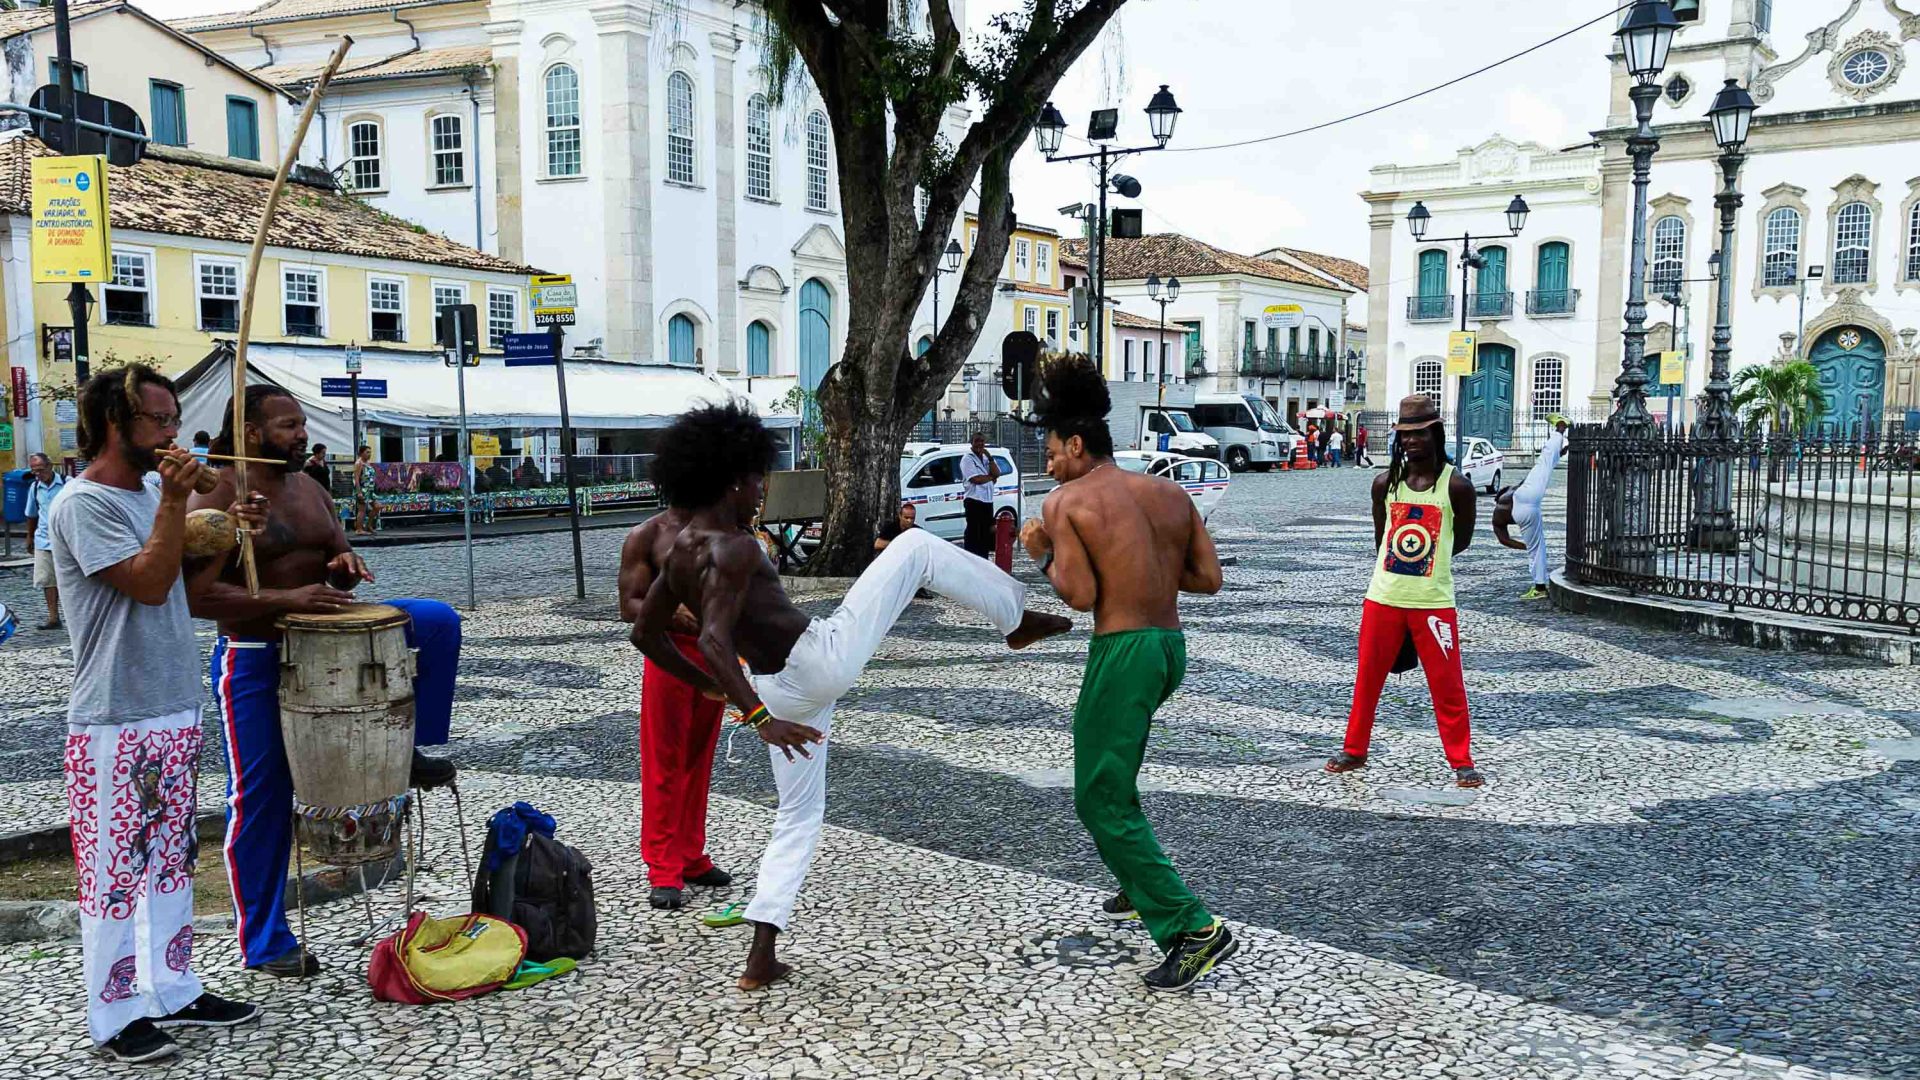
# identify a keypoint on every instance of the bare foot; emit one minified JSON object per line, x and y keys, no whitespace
{"x":762,"y":968}
{"x":1036,"y":626}
{"x":761,"y":978}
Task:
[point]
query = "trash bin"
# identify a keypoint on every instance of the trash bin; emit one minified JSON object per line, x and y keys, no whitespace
{"x":16,"y":498}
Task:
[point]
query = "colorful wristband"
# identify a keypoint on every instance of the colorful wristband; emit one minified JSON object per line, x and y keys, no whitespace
{"x":756,"y":718}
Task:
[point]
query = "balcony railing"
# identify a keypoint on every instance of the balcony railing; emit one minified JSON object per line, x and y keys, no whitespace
{"x":1429,"y":308}
{"x":1552,"y":301}
{"x":1490,"y":305}
{"x":1283,"y":364}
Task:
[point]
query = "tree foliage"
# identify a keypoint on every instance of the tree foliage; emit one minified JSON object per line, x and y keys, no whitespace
{"x":1786,"y":397}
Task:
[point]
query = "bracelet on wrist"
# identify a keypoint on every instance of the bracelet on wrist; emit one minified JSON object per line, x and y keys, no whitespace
{"x":756,"y":718}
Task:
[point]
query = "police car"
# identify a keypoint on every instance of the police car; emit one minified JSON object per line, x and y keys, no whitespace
{"x":930,"y":479}
{"x":1204,"y":479}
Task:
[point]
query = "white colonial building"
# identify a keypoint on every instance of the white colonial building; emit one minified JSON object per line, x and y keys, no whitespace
{"x":634,"y":146}
{"x":1533,"y":302}
{"x":1826,"y":257}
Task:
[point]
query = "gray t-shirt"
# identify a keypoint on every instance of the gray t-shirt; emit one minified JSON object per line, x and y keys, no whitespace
{"x":131,"y":661}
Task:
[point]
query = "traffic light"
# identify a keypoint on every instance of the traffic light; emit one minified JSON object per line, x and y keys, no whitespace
{"x":1019,"y":365}
{"x":459,"y":331}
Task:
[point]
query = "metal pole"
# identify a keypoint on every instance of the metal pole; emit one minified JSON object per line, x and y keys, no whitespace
{"x":354,"y":386}
{"x":466,"y":469}
{"x":1713,"y":479}
{"x":1100,"y":275}
{"x":1629,"y":507}
{"x":558,"y":334}
{"x":70,"y":135}
{"x":1460,"y":387}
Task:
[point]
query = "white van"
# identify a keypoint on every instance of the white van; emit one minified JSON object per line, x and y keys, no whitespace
{"x":931,"y":481}
{"x":1250,"y":433}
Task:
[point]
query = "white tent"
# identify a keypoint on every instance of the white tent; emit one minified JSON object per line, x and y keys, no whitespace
{"x":422,"y":392}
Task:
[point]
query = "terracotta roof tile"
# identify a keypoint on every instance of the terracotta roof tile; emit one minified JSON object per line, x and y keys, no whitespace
{"x":1137,"y":322}
{"x":1174,"y":255}
{"x":182,"y":199}
{"x":27,"y":20}
{"x":425,"y":62}
{"x":292,"y":10}
{"x":1346,"y":270}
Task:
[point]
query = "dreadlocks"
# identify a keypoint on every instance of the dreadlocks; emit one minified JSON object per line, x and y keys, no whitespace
{"x":1072,"y":399}
{"x":1397,"y":462}
{"x":112,"y":397}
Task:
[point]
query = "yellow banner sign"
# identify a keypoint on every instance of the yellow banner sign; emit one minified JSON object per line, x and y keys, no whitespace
{"x":70,"y":219}
{"x":1283,"y":316}
{"x":1673,"y":368}
{"x":486,"y":445}
{"x":1461,"y":347}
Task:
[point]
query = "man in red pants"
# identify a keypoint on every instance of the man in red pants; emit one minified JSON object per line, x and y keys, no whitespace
{"x":1423,"y":513}
{"x":678,"y":728}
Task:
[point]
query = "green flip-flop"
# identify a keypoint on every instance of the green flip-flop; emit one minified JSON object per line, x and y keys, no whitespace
{"x":529,"y":972}
{"x":732,"y":915}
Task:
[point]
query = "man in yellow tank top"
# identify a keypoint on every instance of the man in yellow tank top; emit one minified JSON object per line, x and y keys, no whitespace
{"x":1423,"y":513}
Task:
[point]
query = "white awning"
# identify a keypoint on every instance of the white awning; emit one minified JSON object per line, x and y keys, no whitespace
{"x":422,"y":392}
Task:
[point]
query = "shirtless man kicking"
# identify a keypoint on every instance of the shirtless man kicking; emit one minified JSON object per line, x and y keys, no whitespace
{"x":1521,"y":506}
{"x":713,"y":461}
{"x":305,"y":566}
{"x":1124,"y":546}
{"x":678,"y":729}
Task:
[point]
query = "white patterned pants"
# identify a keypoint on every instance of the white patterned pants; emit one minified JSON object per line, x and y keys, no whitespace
{"x":130,"y":803}
{"x":824,"y":664}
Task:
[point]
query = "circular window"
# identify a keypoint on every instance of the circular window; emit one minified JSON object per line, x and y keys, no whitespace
{"x":1678,"y":89}
{"x":1866,"y":67}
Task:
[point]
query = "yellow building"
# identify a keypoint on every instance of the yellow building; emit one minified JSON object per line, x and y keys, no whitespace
{"x":335,"y":271}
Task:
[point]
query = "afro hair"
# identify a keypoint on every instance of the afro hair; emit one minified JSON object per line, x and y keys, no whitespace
{"x":1073,"y":400}
{"x":709,"y":449}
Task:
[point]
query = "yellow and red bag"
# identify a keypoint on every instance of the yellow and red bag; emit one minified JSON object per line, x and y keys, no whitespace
{"x":433,"y":959}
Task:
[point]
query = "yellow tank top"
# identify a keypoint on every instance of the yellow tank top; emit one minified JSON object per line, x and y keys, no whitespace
{"x":1414,"y":566}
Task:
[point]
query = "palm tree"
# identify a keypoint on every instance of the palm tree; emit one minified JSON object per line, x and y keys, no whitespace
{"x":1788,"y":396}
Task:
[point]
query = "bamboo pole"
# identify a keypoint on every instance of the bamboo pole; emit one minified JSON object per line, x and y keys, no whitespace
{"x":291,"y":155}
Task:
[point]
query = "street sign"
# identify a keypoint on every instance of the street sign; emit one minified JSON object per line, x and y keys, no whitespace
{"x":1673,"y":367}
{"x":353,"y":360}
{"x":93,"y":109}
{"x":1282,"y":316}
{"x":19,"y":391}
{"x":529,"y":350}
{"x":1337,"y":399}
{"x":486,"y":446}
{"x":554,"y":299}
{"x":1461,"y":347}
{"x":458,"y":327}
{"x":344,"y":388}
{"x":69,"y":219}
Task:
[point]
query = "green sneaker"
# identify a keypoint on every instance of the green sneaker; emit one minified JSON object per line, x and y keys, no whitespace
{"x":1534,"y":593}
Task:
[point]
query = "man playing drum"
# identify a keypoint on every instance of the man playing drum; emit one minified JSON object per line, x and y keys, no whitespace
{"x":133,"y":725}
{"x":305,"y":567}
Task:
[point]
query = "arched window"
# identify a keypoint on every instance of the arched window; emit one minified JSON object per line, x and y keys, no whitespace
{"x":1852,"y":244}
{"x":759,"y":349}
{"x":1429,"y":377}
{"x":680,"y":139}
{"x":759,"y":148}
{"x":818,"y":161}
{"x":1913,"y":243}
{"x":680,"y":335}
{"x":563,"y":121}
{"x":1431,"y":303}
{"x":363,"y":156}
{"x":1782,"y":248}
{"x":816,"y":333}
{"x":1549,"y":386}
{"x":1669,"y":255}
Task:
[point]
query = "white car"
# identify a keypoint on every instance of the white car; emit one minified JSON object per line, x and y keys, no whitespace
{"x":1204,"y":479}
{"x":931,"y":481}
{"x":1483,"y":465}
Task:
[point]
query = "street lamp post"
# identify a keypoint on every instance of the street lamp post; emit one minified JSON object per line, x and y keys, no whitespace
{"x":1162,"y":114}
{"x":1676,"y":298}
{"x":1418,"y":219}
{"x":1732,"y":116}
{"x":1162,"y":296}
{"x":1645,"y":36}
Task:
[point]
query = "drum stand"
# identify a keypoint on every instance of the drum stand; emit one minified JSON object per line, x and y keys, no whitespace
{"x":413,"y":849}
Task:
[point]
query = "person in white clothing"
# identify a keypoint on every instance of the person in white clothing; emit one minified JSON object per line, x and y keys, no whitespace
{"x":712,"y":463}
{"x":978,"y":472}
{"x":1335,"y":442}
{"x":1521,"y":506}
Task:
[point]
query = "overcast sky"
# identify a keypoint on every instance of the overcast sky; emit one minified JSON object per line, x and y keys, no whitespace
{"x":1245,"y":68}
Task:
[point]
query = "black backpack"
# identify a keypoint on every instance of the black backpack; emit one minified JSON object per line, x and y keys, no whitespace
{"x":545,"y":889}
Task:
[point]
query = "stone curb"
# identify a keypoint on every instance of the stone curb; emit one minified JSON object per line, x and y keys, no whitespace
{"x":1746,"y":626}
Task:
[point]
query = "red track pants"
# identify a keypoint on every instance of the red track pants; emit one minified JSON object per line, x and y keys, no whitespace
{"x":678,"y":728}
{"x":1436,"y":637}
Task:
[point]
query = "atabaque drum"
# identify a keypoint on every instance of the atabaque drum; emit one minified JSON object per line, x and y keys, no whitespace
{"x":346,"y":713}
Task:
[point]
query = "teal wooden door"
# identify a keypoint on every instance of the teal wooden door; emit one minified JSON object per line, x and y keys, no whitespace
{"x":1490,"y":299}
{"x":1852,"y":363}
{"x":1487,"y":407}
{"x":816,"y":333}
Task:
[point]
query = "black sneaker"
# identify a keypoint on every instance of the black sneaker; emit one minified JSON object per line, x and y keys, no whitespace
{"x":140,"y":1041}
{"x":210,"y":1011}
{"x":298,"y":963}
{"x":714,"y":878}
{"x":1192,"y":956}
{"x":1119,"y":908}
{"x":430,"y":772}
{"x":666,"y":898}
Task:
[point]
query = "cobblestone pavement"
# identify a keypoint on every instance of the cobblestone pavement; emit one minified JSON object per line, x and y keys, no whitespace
{"x":1691,"y":859}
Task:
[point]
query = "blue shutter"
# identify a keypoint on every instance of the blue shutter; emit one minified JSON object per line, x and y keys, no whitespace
{"x":169,"y":113}
{"x":1433,"y":273}
{"x":816,"y":333}
{"x":680,"y":341}
{"x":243,"y":129}
{"x":1552,"y":275}
{"x":759,"y":349}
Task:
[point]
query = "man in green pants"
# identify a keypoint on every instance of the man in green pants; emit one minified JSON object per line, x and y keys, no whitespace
{"x":1124,"y":546}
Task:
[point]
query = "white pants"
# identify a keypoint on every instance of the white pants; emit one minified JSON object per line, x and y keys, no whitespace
{"x":1526,"y":504}
{"x":130,"y":803}
{"x":824,"y":664}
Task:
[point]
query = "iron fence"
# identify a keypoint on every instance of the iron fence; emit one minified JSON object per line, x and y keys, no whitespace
{"x":1821,"y":526}
{"x":1026,"y":440}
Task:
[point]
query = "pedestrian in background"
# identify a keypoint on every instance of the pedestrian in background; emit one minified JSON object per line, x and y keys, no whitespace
{"x":202,"y":446}
{"x":45,"y":487}
{"x":1334,"y":442}
{"x":1360,"y":455}
{"x":318,"y":468}
{"x":1313,"y":442}
{"x":978,"y":471}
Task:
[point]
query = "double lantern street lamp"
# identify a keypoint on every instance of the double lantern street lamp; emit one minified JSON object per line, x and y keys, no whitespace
{"x":1162,"y":295}
{"x":1418,"y":219}
{"x":1102,"y":128}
